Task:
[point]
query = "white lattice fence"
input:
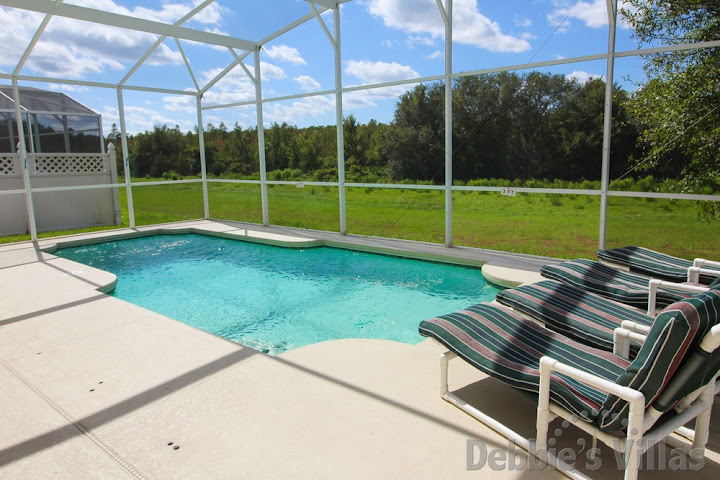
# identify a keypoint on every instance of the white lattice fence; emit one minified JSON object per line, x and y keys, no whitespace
{"x":7,"y":166}
{"x":70,"y":164}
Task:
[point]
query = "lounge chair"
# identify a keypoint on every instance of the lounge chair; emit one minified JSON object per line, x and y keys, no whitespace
{"x":656,"y":264}
{"x":670,"y":382}
{"x":573,"y":312}
{"x":606,"y":281}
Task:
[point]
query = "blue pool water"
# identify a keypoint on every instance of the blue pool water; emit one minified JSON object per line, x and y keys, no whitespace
{"x":275,"y":299}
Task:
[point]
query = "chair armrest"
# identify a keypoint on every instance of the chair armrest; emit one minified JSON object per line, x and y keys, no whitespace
{"x":549,"y":365}
{"x":699,"y":262}
{"x":622,"y":338}
{"x":654,"y":284}
{"x":635,"y":399}
{"x":635,"y":327}
{"x":695,"y":272}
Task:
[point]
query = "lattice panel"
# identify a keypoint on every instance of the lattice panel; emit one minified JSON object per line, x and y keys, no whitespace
{"x":7,"y":166}
{"x":62,"y":164}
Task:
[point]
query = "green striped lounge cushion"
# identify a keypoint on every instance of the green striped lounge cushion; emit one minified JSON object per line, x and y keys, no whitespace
{"x":580,"y":315}
{"x":609,"y":282}
{"x":674,"y":336}
{"x":649,"y":262}
{"x":508,"y":347}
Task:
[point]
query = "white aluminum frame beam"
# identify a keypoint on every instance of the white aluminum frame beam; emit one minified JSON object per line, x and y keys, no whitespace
{"x":126,"y":158}
{"x":35,"y":39}
{"x":607,"y":124}
{"x":548,"y":63}
{"x":162,"y":38}
{"x":203,"y":164}
{"x":125,"y":21}
{"x":23,"y":155}
{"x":446,"y":14}
{"x":261,"y":139}
{"x":339,"y":119}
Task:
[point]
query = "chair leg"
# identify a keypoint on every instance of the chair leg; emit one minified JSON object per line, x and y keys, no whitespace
{"x":542,"y":420}
{"x":633,"y":451}
{"x":702,"y":422}
{"x":444,"y":360}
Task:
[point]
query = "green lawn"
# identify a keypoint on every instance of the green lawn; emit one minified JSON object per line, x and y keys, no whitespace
{"x":542,"y":224}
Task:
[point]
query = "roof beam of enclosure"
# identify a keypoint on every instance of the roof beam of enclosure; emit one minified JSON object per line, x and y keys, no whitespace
{"x":325,"y":4}
{"x":238,"y":59}
{"x":322,"y":24}
{"x":84,"y":83}
{"x":162,"y":38}
{"x":34,"y":40}
{"x":187,"y":64}
{"x":243,"y":66}
{"x":128,"y":22}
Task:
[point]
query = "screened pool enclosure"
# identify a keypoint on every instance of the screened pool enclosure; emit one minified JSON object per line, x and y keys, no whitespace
{"x":53,"y":121}
{"x":450,"y":215}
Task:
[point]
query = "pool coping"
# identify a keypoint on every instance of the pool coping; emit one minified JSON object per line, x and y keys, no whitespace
{"x":501,"y":268}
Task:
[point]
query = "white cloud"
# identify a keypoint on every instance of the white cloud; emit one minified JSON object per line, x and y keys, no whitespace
{"x":470,"y":27}
{"x":413,"y":40}
{"x":168,"y":13}
{"x":307,"y":83}
{"x":581,"y":76}
{"x":593,"y":14}
{"x":283,"y":53}
{"x":378,"y":72}
{"x":141,"y":119}
{"x":303,"y":108}
{"x":435,"y":54}
{"x":68,"y":88}
{"x":522,"y":22}
{"x":73,"y":49}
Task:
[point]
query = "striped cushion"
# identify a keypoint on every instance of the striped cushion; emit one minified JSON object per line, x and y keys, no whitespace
{"x":578,"y":314}
{"x":608,"y":282}
{"x":508,"y":347}
{"x":676,"y":332}
{"x":651,"y":263}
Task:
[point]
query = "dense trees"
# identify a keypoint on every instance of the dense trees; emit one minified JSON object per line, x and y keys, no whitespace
{"x":679,"y":105}
{"x":535,"y":125}
{"x":508,"y":125}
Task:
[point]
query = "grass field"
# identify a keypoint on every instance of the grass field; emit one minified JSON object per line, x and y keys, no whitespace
{"x":554,"y":225}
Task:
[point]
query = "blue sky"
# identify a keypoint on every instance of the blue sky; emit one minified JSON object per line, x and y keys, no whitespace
{"x":382,"y":40}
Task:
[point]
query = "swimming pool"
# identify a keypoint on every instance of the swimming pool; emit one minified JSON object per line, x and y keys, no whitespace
{"x":275,"y":299}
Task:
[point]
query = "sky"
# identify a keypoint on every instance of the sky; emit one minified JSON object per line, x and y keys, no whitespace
{"x":381,"y":41}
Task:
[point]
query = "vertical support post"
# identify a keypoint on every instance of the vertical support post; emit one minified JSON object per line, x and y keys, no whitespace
{"x":30,"y":135}
{"x":261,"y":139}
{"x":112,"y":166}
{"x":36,"y":136}
{"x":126,"y":159}
{"x":607,"y":126}
{"x":102,"y":136}
{"x":23,"y":155}
{"x":339,"y":120}
{"x":448,"y":125}
{"x":66,"y":133}
{"x":203,"y":165}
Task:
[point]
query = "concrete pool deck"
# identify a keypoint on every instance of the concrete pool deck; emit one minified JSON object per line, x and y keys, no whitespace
{"x":94,"y":387}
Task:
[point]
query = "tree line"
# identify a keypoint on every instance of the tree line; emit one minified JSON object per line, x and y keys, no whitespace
{"x":507,"y":125}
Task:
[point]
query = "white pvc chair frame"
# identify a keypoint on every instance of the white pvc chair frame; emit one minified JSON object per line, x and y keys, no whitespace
{"x":697,"y":405}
